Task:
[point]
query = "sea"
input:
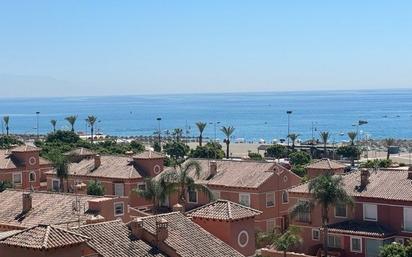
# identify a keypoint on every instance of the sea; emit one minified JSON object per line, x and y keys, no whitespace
{"x":255,"y":116}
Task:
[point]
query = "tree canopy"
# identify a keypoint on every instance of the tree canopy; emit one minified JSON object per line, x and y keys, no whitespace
{"x":94,"y":187}
{"x":212,"y":150}
{"x":276,"y":151}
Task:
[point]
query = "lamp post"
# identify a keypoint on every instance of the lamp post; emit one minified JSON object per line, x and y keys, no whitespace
{"x":158,"y":129}
{"x":215,"y":124}
{"x":37,"y":124}
{"x":288,"y":113}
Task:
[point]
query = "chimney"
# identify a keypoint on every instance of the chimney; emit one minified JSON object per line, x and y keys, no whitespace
{"x":27,"y":202}
{"x":410,"y":172}
{"x":364,"y":177}
{"x":179,"y":208}
{"x":162,"y":229}
{"x":137,"y":227}
{"x":97,"y":161}
{"x":212,"y":168}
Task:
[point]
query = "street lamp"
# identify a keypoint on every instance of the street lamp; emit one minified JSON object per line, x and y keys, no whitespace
{"x":288,"y":113}
{"x":214,"y":124}
{"x":158,"y":129}
{"x":37,"y":124}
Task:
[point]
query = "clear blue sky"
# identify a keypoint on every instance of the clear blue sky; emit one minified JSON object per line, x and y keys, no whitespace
{"x":147,"y":47}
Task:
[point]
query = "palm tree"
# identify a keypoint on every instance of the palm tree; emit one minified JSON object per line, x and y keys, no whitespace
{"x":91,"y":120}
{"x":201,"y":126}
{"x":6,"y":120}
{"x":61,"y":165}
{"x":155,"y":191}
{"x":182,"y":181}
{"x":324,"y":135}
{"x":293,"y":137}
{"x":352,"y":136}
{"x":287,"y":240}
{"x":326,"y":191}
{"x":388,"y":142}
{"x":53,"y":123}
{"x":178,"y":132}
{"x":228,"y":131}
{"x":72,"y":120}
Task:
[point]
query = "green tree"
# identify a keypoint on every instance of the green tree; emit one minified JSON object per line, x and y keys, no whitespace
{"x":176,"y":150}
{"x":91,"y":120}
{"x":388,"y":143}
{"x":157,"y":147}
{"x":352,"y":136}
{"x":228,"y":131}
{"x":299,"y":170}
{"x":393,"y":250}
{"x":182,"y":180}
{"x":212,"y":150}
{"x":7,"y":142}
{"x":177,"y":133}
{"x":288,"y":240}
{"x":4,"y":185}
{"x":156,"y":191}
{"x":137,"y":147}
{"x":72,"y":120}
{"x":201,"y":126}
{"x":255,"y":156}
{"x":326,"y":191}
{"x":299,"y":158}
{"x":62,"y":136}
{"x":94,"y":187}
{"x":349,"y":151}
{"x":61,"y":166}
{"x":53,"y":123}
{"x":293,"y":137}
{"x":276,"y":151}
{"x":6,"y":120}
{"x":324,"y":136}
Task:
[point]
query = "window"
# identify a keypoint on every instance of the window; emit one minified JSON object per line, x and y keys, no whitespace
{"x":334,"y":241}
{"x":303,"y":214}
{"x":244,"y":199}
{"x":340,"y":210}
{"x":119,"y":189}
{"x":141,"y":186}
{"x":192,"y":193}
{"x":270,"y":199}
{"x":370,"y":212}
{"x":216,"y":194}
{"x":315,"y":234}
{"x":32,"y":176}
{"x":270,"y":225}
{"x":118,"y":209}
{"x":17,"y":178}
{"x":56,"y":185}
{"x":407,"y":219}
{"x":285,"y":197}
{"x":356,"y":244}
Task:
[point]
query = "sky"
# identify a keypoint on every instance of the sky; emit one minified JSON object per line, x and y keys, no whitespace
{"x":102,"y":47}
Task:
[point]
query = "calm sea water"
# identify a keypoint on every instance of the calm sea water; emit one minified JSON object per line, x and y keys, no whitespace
{"x":254,"y":115}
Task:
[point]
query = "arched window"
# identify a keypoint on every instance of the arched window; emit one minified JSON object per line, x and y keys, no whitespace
{"x":32,"y":176}
{"x":285,"y":197}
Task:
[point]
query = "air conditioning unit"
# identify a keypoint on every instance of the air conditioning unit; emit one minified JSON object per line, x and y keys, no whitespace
{"x":400,"y":240}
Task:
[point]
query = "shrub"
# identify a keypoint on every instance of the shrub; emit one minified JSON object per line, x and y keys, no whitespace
{"x":299,"y":170}
{"x":95,"y":188}
{"x":63,"y":136}
{"x":4,"y":185}
{"x":255,"y":156}
{"x":276,"y":151}
{"x":299,"y":158}
{"x":209,"y":151}
{"x":9,"y":141}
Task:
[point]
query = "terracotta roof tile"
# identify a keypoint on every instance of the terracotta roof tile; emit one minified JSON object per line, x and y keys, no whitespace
{"x":362,"y":228}
{"x":114,"y":239}
{"x":223,"y":210}
{"x":43,"y":237}
{"x":80,"y":152}
{"x":189,"y":239}
{"x":149,"y":155}
{"x":383,"y":184}
{"x":25,"y":148}
{"x":326,"y":164}
{"x":47,"y":208}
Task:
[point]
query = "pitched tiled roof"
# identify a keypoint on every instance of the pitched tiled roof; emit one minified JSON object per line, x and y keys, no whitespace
{"x":5,"y":234}
{"x":362,"y":228}
{"x":25,"y":148}
{"x":326,"y":164}
{"x":110,"y":167}
{"x":383,"y":184}
{"x":223,"y":210}
{"x":80,"y":152}
{"x":189,"y":239}
{"x":43,"y":237}
{"x":149,"y":155}
{"x":236,"y":173}
{"x":114,"y":239}
{"x":47,"y":208}
{"x":7,"y":161}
